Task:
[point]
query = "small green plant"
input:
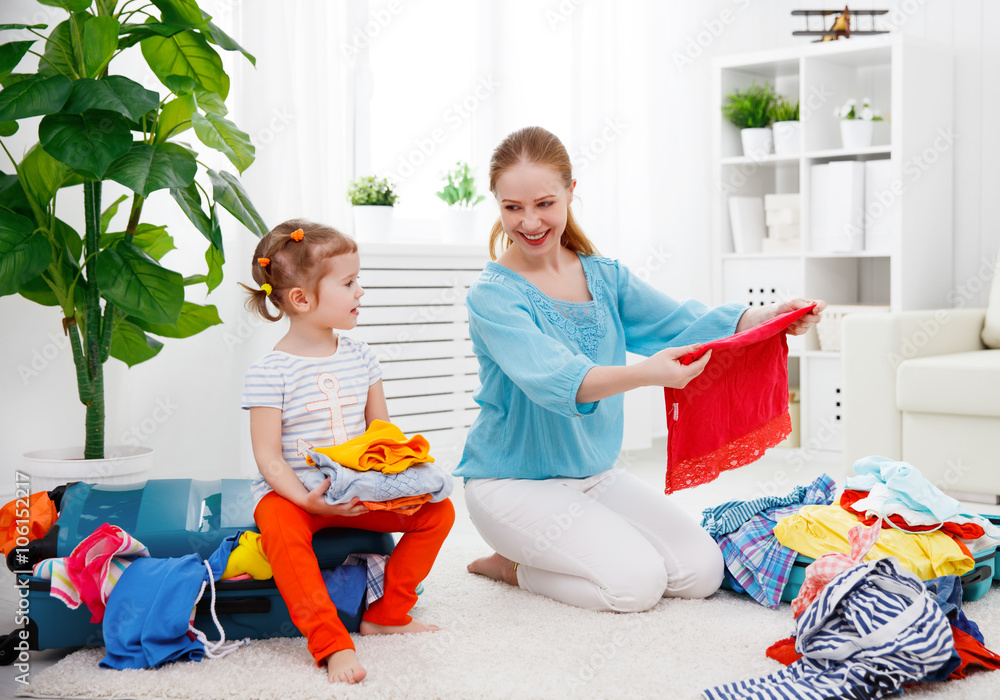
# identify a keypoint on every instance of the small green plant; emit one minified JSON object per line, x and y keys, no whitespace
{"x":371,"y":191}
{"x":784,"y":111}
{"x":751,"y":108}
{"x":460,"y":189}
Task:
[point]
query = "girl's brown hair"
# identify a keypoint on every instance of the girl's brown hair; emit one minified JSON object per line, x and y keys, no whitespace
{"x":533,"y":144}
{"x":286,"y":258}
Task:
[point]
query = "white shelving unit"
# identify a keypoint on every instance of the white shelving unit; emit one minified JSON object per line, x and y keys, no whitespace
{"x":911,"y":81}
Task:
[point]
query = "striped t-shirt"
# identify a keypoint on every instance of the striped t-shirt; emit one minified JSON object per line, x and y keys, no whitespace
{"x":322,"y":399}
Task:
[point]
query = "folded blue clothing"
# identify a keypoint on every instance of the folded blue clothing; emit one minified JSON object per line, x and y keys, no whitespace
{"x":730,"y":516}
{"x":345,"y":484}
{"x":346,"y":585}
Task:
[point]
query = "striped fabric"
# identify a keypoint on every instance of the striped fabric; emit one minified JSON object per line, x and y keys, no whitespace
{"x":322,"y":399}
{"x":375,"y":573}
{"x":728,"y":517}
{"x":872,"y":629}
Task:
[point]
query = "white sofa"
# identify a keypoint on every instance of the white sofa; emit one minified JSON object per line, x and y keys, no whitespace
{"x":923,"y":387}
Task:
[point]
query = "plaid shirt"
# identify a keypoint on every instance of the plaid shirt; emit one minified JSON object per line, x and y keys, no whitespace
{"x":755,"y":561}
{"x":375,"y":571}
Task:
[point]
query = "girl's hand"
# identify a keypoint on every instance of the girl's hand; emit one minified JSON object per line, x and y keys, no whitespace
{"x":806,"y":322}
{"x":316,"y":504}
{"x":664,"y":368}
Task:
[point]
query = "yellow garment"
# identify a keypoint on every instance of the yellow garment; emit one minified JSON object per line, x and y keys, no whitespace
{"x":816,"y":530}
{"x":383,"y":447}
{"x":248,"y":557}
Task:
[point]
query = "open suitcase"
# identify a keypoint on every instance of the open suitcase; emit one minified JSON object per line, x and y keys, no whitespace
{"x":173,"y":518}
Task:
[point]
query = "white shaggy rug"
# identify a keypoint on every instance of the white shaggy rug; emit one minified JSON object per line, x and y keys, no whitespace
{"x":501,"y":642}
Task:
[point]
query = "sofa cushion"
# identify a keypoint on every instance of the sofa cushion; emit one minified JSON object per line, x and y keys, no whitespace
{"x":966,"y":383}
{"x":991,"y":331}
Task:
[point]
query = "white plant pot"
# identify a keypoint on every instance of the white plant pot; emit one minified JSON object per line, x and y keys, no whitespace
{"x":122,"y":464}
{"x":373,"y":224}
{"x":855,"y":134}
{"x":787,"y":138}
{"x":757,"y":143}
{"x":459,"y":225}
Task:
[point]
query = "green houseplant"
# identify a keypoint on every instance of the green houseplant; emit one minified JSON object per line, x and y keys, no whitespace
{"x":786,"y":127}
{"x":857,"y":127}
{"x":750,"y":111}
{"x":460,"y":194}
{"x":114,"y":294}
{"x":373,"y":199}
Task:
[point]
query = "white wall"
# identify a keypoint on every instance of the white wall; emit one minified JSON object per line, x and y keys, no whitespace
{"x":194,"y":385}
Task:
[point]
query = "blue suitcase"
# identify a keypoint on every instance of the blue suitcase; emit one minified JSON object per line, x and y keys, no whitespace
{"x":173,"y":518}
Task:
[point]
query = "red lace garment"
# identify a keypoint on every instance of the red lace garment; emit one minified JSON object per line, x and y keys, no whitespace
{"x":728,"y":415}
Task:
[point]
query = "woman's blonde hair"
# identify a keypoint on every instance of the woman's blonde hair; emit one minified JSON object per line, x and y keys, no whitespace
{"x":292,"y":254}
{"x":533,"y":144}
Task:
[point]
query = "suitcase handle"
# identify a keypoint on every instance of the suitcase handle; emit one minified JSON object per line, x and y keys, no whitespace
{"x":235,"y":606}
{"x":980,"y":574}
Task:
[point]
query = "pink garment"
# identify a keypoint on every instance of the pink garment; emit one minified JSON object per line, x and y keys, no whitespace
{"x":92,"y":569}
{"x":829,"y":566}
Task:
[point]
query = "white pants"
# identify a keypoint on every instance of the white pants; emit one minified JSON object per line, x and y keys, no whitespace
{"x":607,"y":542}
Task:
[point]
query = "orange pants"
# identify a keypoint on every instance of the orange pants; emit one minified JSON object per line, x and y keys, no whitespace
{"x":286,"y":534}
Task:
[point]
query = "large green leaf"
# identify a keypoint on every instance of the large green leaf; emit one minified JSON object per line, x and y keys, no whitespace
{"x":116,"y":93}
{"x":11,"y":54}
{"x":38,"y":291}
{"x":71,"y":240}
{"x":34,"y":96}
{"x":106,"y":7}
{"x":192,"y":321}
{"x":184,"y":12}
{"x":23,"y":252}
{"x":131,"y":345}
{"x":87,"y":142}
{"x":227,"y":191}
{"x":100,"y":40}
{"x":8,"y":129}
{"x":223,"y":40}
{"x":186,"y":53}
{"x":68,"y":5}
{"x":151,"y":238}
{"x":215,"y":259}
{"x":12,"y":195}
{"x":138,"y":285}
{"x":189,"y":201}
{"x":59,"y":56}
{"x":132,"y":34}
{"x":146,"y":168}
{"x":210,"y":103}
{"x":109,"y":213}
{"x":180,"y":84}
{"x":22,"y":26}
{"x":42,"y":176}
{"x":224,"y":136}
{"x":175,"y":117}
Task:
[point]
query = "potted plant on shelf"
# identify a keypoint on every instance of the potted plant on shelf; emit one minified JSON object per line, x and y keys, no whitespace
{"x":750,"y":112}
{"x":460,"y":194}
{"x":114,"y":294}
{"x":373,"y":199}
{"x":786,"y":127}
{"x":856,"y":123}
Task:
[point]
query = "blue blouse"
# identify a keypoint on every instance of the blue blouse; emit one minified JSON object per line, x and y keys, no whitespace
{"x":534,"y":352}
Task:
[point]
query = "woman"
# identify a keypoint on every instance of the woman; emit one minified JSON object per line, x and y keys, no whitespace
{"x":550,"y":322}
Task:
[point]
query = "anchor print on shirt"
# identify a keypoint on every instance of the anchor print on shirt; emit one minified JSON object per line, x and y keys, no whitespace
{"x":329,"y":386}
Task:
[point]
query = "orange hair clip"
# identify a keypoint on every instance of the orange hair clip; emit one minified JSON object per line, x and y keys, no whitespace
{"x":263,"y":261}
{"x":298,"y":235}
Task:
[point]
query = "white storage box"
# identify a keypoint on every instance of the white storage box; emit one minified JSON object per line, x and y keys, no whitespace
{"x":829,"y":329}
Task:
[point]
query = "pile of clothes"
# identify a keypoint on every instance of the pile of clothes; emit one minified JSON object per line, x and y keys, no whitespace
{"x":880,"y":606}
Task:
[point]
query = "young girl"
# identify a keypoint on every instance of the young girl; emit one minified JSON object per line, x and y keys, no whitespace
{"x":316,"y":389}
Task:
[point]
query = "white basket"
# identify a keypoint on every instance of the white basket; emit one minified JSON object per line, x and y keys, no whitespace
{"x":829,"y":329}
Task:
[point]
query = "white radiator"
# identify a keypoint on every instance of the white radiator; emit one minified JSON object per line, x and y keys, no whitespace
{"x":413,"y":316}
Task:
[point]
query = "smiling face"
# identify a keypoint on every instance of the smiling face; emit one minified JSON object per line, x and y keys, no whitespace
{"x":339,"y":293}
{"x":534,"y":205}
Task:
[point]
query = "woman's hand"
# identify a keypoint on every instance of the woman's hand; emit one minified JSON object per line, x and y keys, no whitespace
{"x":315,"y":503}
{"x":754,"y":316}
{"x":664,"y":368}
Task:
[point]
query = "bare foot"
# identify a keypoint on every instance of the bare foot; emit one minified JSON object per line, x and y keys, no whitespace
{"x":343,"y":667}
{"x":495,"y":567}
{"x":368,"y":628}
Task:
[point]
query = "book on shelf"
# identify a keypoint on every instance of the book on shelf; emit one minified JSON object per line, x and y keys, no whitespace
{"x":746,"y":219}
{"x":837,"y":207}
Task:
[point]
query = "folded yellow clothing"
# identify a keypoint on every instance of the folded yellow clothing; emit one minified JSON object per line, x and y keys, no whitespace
{"x":382,"y":448}
{"x":817,"y":530}
{"x":248,"y":557}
